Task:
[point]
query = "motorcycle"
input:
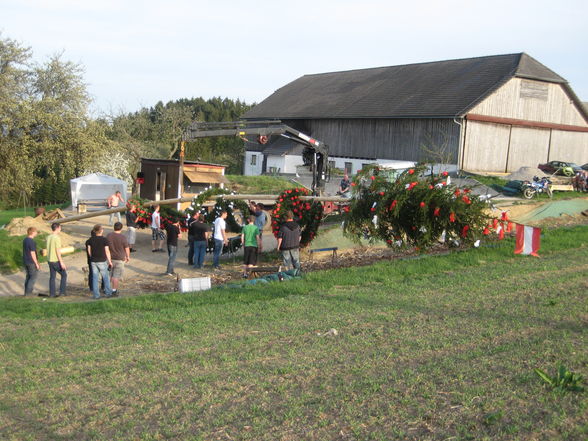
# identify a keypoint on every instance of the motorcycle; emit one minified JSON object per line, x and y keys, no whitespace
{"x":530,"y":188}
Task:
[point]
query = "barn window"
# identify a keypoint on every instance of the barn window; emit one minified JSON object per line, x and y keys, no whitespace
{"x":253,"y":159}
{"x":348,"y":167}
{"x":534,"y":89}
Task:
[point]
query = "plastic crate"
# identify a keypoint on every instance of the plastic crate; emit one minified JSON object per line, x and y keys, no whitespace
{"x":195,"y":284}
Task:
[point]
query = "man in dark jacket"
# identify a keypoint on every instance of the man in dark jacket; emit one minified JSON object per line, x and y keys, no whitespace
{"x":289,"y":242}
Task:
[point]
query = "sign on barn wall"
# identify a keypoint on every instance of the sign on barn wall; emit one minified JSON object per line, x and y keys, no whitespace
{"x":534,"y":89}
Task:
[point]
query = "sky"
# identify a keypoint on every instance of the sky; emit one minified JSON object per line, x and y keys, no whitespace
{"x":136,"y":53}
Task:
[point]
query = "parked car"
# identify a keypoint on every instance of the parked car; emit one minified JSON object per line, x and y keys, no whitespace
{"x":585,"y":167}
{"x":560,"y":168}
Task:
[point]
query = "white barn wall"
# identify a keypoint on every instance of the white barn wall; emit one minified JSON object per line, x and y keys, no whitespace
{"x":486,"y":146}
{"x":528,"y":147}
{"x":569,"y":146}
{"x":506,"y":102}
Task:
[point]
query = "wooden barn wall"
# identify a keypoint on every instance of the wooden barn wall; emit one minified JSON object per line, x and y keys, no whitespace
{"x":148,"y":188}
{"x":533,"y":101}
{"x":399,"y":139}
{"x":569,"y":146}
{"x":528,"y":147}
{"x":486,"y":146}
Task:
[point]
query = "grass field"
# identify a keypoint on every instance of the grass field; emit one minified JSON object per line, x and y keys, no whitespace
{"x":11,"y":251}
{"x":7,"y":215}
{"x":429,"y":348}
{"x":259,"y":184}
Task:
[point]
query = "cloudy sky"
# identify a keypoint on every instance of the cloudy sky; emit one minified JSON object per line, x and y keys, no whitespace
{"x":136,"y":53}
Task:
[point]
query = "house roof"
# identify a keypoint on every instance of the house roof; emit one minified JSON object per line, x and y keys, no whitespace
{"x":279,"y":146}
{"x":423,"y":90}
{"x":176,"y":161}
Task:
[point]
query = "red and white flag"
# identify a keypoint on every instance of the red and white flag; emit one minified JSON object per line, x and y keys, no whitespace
{"x":528,"y":240}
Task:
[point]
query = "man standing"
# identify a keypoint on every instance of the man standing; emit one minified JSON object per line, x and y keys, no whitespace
{"x":220,"y":238}
{"x":119,"y":254}
{"x":289,"y":242}
{"x":30,"y":260}
{"x":157,"y":234}
{"x":190,"y":221}
{"x":173,"y":234}
{"x":131,"y":216}
{"x":200,"y":233}
{"x":260,"y":216}
{"x":251,"y":244}
{"x":100,"y":261}
{"x":55,"y":260}
{"x":113,"y":201}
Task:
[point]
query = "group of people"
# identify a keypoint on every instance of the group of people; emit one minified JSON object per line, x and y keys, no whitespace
{"x":107,"y":255}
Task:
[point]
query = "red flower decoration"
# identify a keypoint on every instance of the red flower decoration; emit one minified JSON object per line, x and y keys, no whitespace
{"x":381,"y":193}
{"x":373,"y":209}
{"x":437,"y":211}
{"x":411,"y":171}
{"x":494,"y":223}
{"x":372,"y":178}
{"x":486,"y":231}
{"x":431,"y":187}
{"x":393,"y":204}
{"x":423,"y":205}
{"x":466,"y":200}
{"x":353,"y":184}
{"x":457,"y":192}
{"x":464,"y":230}
{"x":452,"y":217}
{"x":444,"y":173}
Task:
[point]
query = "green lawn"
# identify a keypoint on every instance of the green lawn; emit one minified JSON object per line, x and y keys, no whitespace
{"x":11,"y":251}
{"x":259,"y":184}
{"x":428,"y":348}
{"x":7,"y":215}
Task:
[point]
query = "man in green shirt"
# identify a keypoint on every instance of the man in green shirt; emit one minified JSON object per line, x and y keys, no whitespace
{"x":56,"y":264}
{"x":251,"y":240}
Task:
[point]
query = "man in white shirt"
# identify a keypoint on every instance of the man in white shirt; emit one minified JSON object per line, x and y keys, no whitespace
{"x":157,"y":234}
{"x":220,"y":238}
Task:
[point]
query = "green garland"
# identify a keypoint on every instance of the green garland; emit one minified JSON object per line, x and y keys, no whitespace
{"x":412,"y":210}
{"x":221,"y":205}
{"x":308,"y":214}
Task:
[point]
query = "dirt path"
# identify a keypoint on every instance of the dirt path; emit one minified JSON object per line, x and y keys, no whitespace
{"x":144,"y":273}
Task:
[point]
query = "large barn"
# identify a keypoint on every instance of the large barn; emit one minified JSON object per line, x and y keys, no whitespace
{"x":495,"y":113}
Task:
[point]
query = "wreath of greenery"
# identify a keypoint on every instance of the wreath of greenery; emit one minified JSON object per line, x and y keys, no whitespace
{"x":221,"y":205}
{"x":308,"y":214}
{"x":168,"y":214}
{"x":412,"y":209}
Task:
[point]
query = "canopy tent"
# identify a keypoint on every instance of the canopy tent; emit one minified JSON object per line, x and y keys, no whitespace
{"x":96,"y":186}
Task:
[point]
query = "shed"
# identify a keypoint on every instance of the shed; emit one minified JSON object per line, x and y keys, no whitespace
{"x":95,"y":187}
{"x":494,"y":113}
{"x":162,"y":178}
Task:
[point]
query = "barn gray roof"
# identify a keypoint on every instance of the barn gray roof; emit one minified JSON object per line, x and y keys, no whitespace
{"x":423,"y":90}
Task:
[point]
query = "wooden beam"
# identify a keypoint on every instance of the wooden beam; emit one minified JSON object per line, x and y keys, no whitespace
{"x":189,"y":199}
{"x":525,"y":123}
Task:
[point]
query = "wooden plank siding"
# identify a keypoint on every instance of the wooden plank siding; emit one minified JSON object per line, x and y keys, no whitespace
{"x":485,"y":147}
{"x":512,"y":101}
{"x":398,"y":139}
{"x":569,"y":146}
{"x":528,"y":147}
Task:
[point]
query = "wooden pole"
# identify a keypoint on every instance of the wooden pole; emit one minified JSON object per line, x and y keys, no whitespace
{"x":338,"y":199}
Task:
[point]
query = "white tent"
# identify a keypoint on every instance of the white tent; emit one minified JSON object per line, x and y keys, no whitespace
{"x":96,"y":186}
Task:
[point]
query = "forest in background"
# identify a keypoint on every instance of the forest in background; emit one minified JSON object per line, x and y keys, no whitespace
{"x":47,"y":135}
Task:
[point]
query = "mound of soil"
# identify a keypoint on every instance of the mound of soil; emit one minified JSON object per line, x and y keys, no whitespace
{"x":525,"y":174}
{"x":19,"y":225}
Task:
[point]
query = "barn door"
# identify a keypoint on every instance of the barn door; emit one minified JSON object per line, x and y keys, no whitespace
{"x":160,"y":185}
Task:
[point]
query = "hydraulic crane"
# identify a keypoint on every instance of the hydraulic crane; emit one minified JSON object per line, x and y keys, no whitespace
{"x":315,"y":153}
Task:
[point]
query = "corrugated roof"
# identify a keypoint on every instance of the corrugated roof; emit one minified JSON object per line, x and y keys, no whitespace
{"x":435,"y":89}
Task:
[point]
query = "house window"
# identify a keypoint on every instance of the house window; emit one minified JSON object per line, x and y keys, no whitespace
{"x":253,"y":159}
{"x":348,"y":168}
{"x":331,"y":164}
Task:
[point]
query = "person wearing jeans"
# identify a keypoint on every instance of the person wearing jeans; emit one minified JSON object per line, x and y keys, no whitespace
{"x":99,"y":252}
{"x":56,"y":264}
{"x":30,"y":260}
{"x":199,"y":232}
{"x":220,"y":238}
{"x":289,"y":242}
{"x":173,"y":234}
